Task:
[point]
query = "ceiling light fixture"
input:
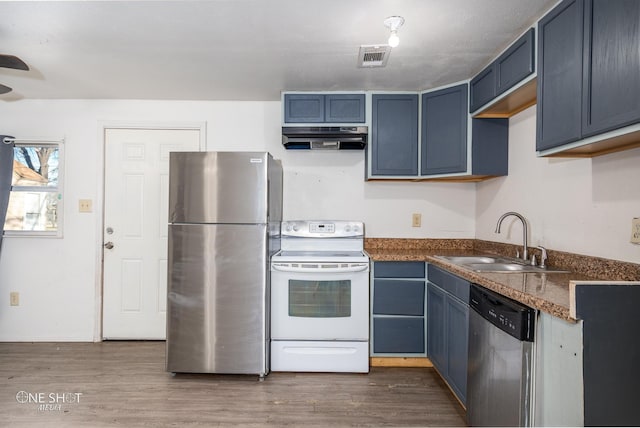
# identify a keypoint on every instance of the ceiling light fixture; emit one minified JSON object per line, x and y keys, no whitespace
{"x":393,"y":23}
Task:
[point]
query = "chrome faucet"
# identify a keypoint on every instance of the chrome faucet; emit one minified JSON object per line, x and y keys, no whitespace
{"x":543,"y":257}
{"x":525,"y":251}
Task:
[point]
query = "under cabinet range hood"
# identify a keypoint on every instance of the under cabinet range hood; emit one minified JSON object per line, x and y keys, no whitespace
{"x":324,"y":137}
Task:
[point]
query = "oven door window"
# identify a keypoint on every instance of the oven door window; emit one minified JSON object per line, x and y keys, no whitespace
{"x":319,"y":299}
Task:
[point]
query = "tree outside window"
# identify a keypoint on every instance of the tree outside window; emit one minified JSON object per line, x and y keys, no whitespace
{"x":35,"y":203}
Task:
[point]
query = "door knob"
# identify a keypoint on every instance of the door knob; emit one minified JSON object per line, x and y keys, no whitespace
{"x":108,"y":245}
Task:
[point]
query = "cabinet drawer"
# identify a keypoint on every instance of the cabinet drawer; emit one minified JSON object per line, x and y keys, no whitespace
{"x":450,"y":283}
{"x":398,"y":297}
{"x":398,"y":269}
{"x":398,"y":335}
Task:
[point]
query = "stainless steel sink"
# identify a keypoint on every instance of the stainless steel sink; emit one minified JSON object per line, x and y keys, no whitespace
{"x":465,"y":260}
{"x":508,"y":267}
{"x":496,"y":264}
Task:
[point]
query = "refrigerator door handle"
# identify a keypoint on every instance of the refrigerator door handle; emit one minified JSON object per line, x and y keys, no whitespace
{"x":320,"y":267}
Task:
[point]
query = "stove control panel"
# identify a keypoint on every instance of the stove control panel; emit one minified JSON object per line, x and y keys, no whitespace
{"x":322,"y":229}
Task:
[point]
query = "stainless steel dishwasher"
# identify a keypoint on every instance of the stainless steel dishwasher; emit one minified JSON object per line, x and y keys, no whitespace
{"x":499,"y":382}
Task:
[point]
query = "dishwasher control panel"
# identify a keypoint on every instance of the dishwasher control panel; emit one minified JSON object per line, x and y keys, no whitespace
{"x":508,"y":315}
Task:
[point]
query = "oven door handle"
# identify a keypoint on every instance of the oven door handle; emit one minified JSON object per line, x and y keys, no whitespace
{"x":283,"y":267}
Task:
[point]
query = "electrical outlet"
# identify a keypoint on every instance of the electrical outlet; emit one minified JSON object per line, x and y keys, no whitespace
{"x":85,"y":205}
{"x":635,"y":230}
{"x":416,"y":220}
{"x":14,"y":298}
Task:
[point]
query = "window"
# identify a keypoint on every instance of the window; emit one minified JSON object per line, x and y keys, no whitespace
{"x":319,"y":299}
{"x":35,"y":203}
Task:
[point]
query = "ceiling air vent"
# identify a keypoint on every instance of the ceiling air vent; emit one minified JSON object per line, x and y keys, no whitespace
{"x":373,"y":55}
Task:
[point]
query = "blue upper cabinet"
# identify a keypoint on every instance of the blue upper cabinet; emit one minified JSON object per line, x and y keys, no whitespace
{"x":394,"y":135}
{"x":490,"y":147}
{"x":319,"y":108}
{"x":483,"y":88}
{"x":516,"y":63}
{"x":512,"y":67}
{"x":448,"y":137}
{"x":588,"y":77}
{"x":344,"y":108}
{"x":559,"y":75}
{"x":611,"y":73}
{"x":444,"y":131}
{"x":446,"y":142}
{"x":303,"y":108}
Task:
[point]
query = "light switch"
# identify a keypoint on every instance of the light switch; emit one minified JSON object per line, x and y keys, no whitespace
{"x":635,"y":230}
{"x":416,"y":220}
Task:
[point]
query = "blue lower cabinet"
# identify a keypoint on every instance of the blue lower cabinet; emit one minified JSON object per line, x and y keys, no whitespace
{"x":398,"y":297}
{"x":397,"y":309}
{"x":399,"y":270}
{"x":403,"y":335}
{"x":457,"y":331}
{"x":436,"y":334}
{"x":448,"y":327}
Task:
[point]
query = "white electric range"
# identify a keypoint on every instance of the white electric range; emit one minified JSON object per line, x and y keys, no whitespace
{"x":320,"y":298}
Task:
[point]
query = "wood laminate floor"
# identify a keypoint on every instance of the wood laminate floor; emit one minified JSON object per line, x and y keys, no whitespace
{"x":124,"y":384}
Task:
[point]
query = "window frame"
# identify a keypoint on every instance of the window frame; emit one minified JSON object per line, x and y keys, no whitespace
{"x":58,"y":189}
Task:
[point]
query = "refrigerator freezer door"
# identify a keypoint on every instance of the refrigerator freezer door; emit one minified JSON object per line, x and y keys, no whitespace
{"x":218,"y":187}
{"x":217,"y":299}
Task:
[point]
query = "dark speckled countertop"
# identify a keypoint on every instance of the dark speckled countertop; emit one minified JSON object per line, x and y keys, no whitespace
{"x":548,"y":292}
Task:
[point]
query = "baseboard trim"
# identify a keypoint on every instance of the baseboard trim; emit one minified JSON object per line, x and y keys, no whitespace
{"x":400,"y":362}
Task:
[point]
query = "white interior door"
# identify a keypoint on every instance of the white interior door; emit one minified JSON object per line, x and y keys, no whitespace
{"x":135,"y":229}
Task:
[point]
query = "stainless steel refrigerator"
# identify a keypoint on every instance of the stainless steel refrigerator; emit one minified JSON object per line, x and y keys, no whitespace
{"x":225,"y":210}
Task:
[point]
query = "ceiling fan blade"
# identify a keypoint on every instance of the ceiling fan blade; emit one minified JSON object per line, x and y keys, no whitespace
{"x":10,"y":61}
{"x":4,"y":89}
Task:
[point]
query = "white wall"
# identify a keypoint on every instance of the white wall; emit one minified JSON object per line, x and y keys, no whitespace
{"x":325,"y":185}
{"x":57,"y":278}
{"x":581,"y":206}
{"x":576,"y":205}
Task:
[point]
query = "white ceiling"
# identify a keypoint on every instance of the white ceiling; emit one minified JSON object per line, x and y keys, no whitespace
{"x":247,"y":49}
